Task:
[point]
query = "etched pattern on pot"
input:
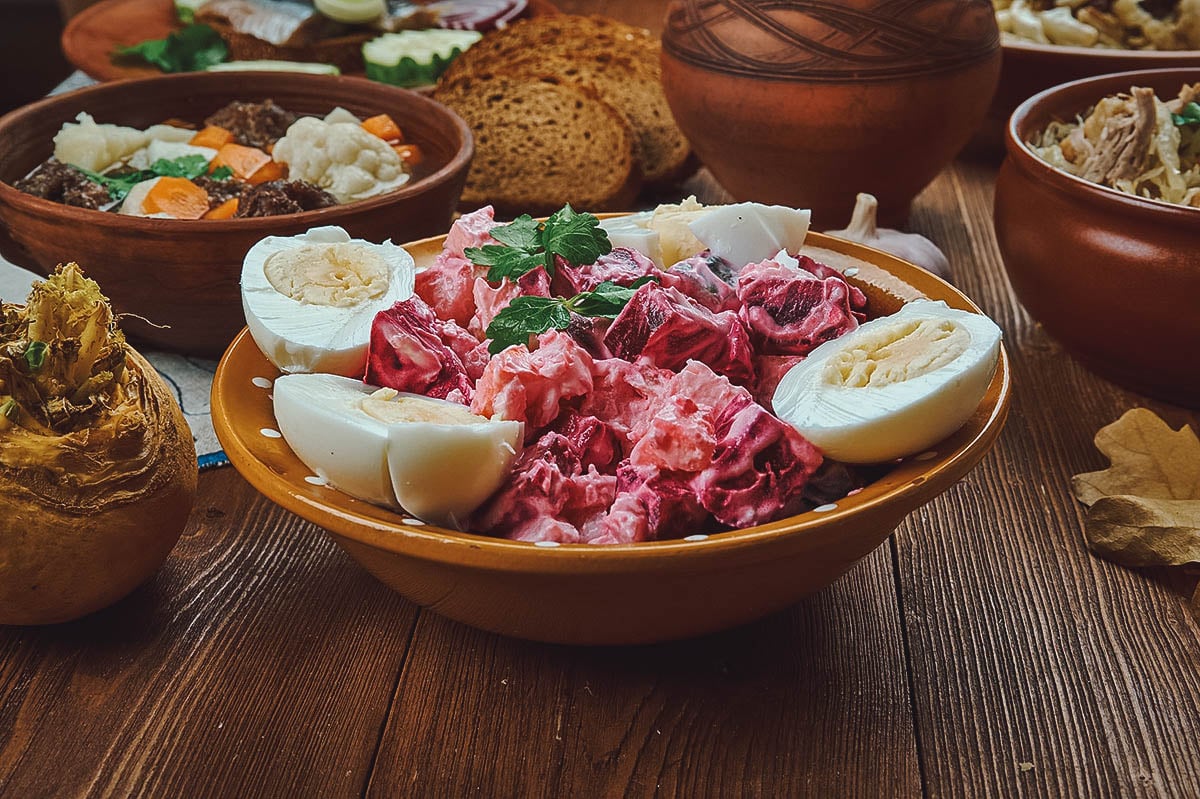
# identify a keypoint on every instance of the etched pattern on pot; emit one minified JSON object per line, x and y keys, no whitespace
{"x":838,"y":41}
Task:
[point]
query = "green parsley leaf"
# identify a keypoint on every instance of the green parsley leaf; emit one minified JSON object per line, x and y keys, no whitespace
{"x":578,"y":238}
{"x":524,"y":317}
{"x":221,"y":173}
{"x":524,"y":233}
{"x":185,"y":166}
{"x":9,"y":409}
{"x":1190,"y":115}
{"x":118,"y":185}
{"x":528,"y":316}
{"x":35,"y":354}
{"x":526,"y":244}
{"x":608,"y":299}
{"x":190,"y":49}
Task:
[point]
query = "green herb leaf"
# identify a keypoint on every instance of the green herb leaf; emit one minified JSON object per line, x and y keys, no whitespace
{"x":185,"y":166}
{"x":526,"y":244}
{"x":528,"y":316}
{"x":578,"y":238}
{"x":9,"y":409}
{"x":608,"y":299}
{"x":1190,"y":115}
{"x":191,"y":49}
{"x":524,"y":233}
{"x":35,"y":355}
{"x":525,"y":317}
{"x":221,"y":173}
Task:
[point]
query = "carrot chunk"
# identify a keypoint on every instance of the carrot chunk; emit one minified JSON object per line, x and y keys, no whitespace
{"x":409,"y":153}
{"x":212,"y":136}
{"x":177,"y":197}
{"x":272,"y":170}
{"x":385,"y":128}
{"x":225,"y":210}
{"x":244,"y":161}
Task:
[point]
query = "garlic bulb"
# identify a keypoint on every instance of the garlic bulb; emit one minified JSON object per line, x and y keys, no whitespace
{"x":910,"y":246}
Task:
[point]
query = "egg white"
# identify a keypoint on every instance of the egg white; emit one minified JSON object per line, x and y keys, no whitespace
{"x":874,"y":424}
{"x":300,"y":336}
{"x":437,"y":472}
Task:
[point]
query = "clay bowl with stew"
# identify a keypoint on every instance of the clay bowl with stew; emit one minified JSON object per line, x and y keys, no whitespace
{"x":1113,"y":277}
{"x":179,"y":278}
{"x":615,"y":594}
{"x":808,"y":104}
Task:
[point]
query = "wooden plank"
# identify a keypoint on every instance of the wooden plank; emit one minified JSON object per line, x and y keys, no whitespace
{"x":1025,"y":648}
{"x":813,"y":701}
{"x":259,"y":660}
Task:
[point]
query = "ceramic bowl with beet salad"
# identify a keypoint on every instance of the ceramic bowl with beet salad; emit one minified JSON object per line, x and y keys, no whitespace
{"x":248,"y":159}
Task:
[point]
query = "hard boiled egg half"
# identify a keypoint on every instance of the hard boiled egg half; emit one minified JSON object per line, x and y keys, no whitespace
{"x":893,"y":387}
{"x":309,"y":299}
{"x":435,"y":459}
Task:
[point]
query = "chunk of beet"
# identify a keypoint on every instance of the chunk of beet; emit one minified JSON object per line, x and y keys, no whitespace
{"x":707,"y":280}
{"x":621,"y":266}
{"x":668,"y":329}
{"x":406,"y":352}
{"x":532,"y":386}
{"x":758,"y":471}
{"x":793,"y":311}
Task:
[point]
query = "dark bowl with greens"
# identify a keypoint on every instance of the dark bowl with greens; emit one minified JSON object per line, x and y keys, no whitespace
{"x":178,"y":278}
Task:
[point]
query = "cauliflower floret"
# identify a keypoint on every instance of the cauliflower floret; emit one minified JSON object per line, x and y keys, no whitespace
{"x":340,"y":157}
{"x":85,"y":144}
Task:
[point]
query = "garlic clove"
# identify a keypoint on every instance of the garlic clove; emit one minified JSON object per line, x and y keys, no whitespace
{"x":911,"y":247}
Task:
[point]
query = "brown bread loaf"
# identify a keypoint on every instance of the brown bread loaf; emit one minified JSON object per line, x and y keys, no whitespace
{"x":541,"y":143}
{"x":620,"y":62}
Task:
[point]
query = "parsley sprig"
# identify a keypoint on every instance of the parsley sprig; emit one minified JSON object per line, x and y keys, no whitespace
{"x":1190,"y":115}
{"x":528,"y":316}
{"x":191,"y":49}
{"x":185,"y":166}
{"x":525,"y":244}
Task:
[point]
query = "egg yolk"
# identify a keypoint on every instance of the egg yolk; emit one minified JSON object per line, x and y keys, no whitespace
{"x":897,"y":353}
{"x":384,"y":406}
{"x":337,"y":275}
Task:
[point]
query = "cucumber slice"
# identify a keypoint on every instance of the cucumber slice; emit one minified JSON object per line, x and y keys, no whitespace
{"x":267,"y":65}
{"x":415,"y":58}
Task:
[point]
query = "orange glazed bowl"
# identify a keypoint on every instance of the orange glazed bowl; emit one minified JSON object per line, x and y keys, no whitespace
{"x":1113,"y":277}
{"x":614,"y":594}
{"x":179,"y":278}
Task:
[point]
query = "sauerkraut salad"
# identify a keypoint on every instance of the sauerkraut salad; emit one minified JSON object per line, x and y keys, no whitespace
{"x":1135,"y":142}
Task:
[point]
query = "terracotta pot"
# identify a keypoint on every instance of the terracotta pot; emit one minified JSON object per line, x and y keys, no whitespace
{"x":1113,"y":277}
{"x":624,"y":594}
{"x":180,"y":277}
{"x":807,"y":103}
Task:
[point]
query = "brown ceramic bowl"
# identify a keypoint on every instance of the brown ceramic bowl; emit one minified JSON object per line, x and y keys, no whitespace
{"x":808,"y":104}
{"x":1115,"y":278}
{"x":181,"y":276}
{"x":623,"y":594}
{"x":1029,"y":68}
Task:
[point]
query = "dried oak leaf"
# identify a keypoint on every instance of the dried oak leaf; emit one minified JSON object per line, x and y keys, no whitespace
{"x":1144,"y":510}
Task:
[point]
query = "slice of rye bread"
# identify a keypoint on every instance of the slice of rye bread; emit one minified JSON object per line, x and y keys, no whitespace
{"x":540,"y":144}
{"x":619,"y":61}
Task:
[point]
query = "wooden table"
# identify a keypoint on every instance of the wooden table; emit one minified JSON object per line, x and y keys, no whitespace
{"x":981,"y":652}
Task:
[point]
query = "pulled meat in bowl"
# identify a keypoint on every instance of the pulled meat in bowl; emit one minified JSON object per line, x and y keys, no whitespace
{"x":1135,"y":143}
